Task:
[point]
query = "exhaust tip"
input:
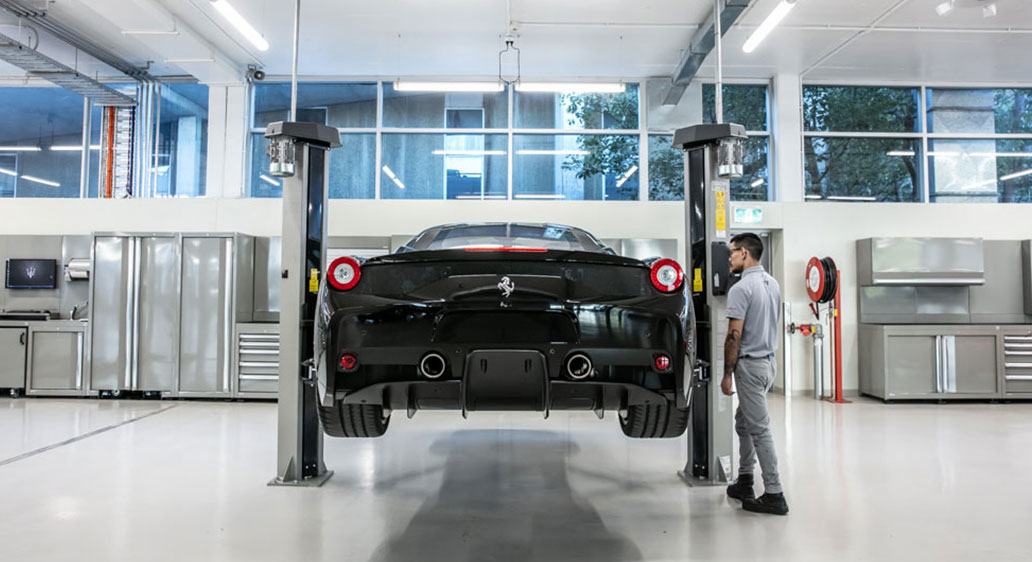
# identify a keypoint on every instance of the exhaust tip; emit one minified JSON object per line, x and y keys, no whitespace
{"x":432,"y":366}
{"x":578,"y":366}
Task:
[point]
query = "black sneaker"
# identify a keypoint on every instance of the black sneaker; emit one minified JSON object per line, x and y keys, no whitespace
{"x":773,"y":504}
{"x":742,"y":489}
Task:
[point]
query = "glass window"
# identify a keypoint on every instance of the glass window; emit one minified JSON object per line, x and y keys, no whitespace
{"x":458,"y":110}
{"x":578,"y":110}
{"x":351,"y":168}
{"x":666,"y":171}
{"x":989,"y":171}
{"x":851,"y":109}
{"x":40,"y":142}
{"x":862,"y":169}
{"x":514,"y":235}
{"x":343,"y":105}
{"x":181,"y":160}
{"x":444,"y":166}
{"x":575,"y":167}
{"x":1007,"y":111}
{"x":743,"y":104}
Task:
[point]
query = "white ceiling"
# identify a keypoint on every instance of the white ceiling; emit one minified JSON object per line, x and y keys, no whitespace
{"x":565,"y":38}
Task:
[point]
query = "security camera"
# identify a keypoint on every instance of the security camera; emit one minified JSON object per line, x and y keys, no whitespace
{"x":255,"y":74}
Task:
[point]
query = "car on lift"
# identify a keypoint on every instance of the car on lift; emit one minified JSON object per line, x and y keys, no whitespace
{"x":504,"y":317}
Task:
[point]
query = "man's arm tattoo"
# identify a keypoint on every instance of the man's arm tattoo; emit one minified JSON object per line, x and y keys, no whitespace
{"x":732,"y":345}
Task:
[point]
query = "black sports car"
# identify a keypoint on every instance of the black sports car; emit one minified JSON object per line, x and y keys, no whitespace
{"x":506,"y":316}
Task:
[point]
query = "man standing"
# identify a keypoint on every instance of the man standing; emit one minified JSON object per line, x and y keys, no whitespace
{"x":753,"y":307}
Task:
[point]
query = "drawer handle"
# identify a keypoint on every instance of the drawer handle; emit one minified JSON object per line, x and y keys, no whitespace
{"x":259,"y":377}
{"x":259,"y":352}
{"x":1018,"y":365}
{"x":1019,"y":377}
{"x":259,"y":365}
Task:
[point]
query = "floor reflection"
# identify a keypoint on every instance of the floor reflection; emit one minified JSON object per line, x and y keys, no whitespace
{"x":505,"y":495}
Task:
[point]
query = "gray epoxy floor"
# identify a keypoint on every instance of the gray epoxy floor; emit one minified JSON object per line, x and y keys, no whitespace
{"x":865,"y":481}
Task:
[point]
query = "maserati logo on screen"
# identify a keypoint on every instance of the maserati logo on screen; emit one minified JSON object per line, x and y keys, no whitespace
{"x":30,"y":272}
{"x":507,"y":287}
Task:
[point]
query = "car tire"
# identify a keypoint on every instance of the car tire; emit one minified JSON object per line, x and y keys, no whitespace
{"x":654,"y":421}
{"x":353,"y":420}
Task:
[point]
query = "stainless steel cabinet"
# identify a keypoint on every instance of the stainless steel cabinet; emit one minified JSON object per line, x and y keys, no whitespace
{"x":256,"y":362}
{"x":164,"y":306}
{"x":56,"y":359}
{"x":206,"y":316}
{"x":1016,"y":349}
{"x":930,"y":362}
{"x":12,"y":357}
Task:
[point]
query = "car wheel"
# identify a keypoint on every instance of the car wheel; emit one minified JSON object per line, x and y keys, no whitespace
{"x":653,"y":421}
{"x":353,"y":420}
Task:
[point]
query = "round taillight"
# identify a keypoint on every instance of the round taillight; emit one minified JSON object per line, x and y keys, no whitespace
{"x":344,"y":273}
{"x":662,"y":363}
{"x":348,"y":362}
{"x":667,"y":275}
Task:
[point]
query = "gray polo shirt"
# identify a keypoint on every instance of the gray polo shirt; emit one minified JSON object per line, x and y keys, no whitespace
{"x":756,"y":299}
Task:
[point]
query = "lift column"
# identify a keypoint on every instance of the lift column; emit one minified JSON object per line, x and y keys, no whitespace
{"x":298,"y":154}
{"x":713,"y":155}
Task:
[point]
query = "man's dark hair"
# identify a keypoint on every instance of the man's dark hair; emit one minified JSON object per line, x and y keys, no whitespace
{"x":750,"y":242}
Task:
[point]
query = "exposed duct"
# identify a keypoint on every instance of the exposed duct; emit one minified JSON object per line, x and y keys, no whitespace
{"x":700,"y":46}
{"x":41,"y":66}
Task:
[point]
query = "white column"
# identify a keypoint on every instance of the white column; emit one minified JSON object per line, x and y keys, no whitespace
{"x":227,"y":140}
{"x":786,"y":129}
{"x":216,"y":140}
{"x":188,"y":143}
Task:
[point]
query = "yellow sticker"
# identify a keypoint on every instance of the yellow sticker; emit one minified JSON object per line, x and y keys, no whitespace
{"x":313,"y":280}
{"x":720,"y":219}
{"x":697,"y":281}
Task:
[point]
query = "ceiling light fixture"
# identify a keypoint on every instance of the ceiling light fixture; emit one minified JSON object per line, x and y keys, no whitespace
{"x":756,"y":183}
{"x":20,"y":149}
{"x":394,"y":178}
{"x":40,"y":181}
{"x":626,"y":176}
{"x":269,"y":180}
{"x":535,"y":152}
{"x":1016,"y":175}
{"x":944,"y":8}
{"x":866,"y":198}
{"x":483,"y":87}
{"x":72,"y":147}
{"x":571,"y":87}
{"x":227,"y":11}
{"x":447,"y":152}
{"x":760,"y":33}
{"x":11,"y":173}
{"x":904,"y":153}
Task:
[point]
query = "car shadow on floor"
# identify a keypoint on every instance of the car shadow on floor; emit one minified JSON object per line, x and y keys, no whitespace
{"x":506,"y":495}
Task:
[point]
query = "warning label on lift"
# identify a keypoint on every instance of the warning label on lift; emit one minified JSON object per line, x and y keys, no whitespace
{"x":313,"y":281}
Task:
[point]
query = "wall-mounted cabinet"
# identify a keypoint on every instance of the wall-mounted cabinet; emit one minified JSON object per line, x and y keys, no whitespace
{"x":13,"y":345}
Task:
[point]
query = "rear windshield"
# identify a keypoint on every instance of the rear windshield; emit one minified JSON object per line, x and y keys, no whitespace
{"x":552,"y":237}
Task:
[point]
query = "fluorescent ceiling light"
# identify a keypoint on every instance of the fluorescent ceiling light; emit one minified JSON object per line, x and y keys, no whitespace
{"x":756,"y":183}
{"x":40,"y":181}
{"x":409,"y":86}
{"x":539,"y":196}
{"x":20,"y":149}
{"x":560,"y":152}
{"x":269,"y":180}
{"x":813,"y":197}
{"x":448,"y":152}
{"x":72,"y":147}
{"x":479,"y":197}
{"x":242,"y":25}
{"x":760,"y":33}
{"x":626,"y":176}
{"x":1016,"y":175}
{"x":851,"y":198}
{"x":394,"y":178}
{"x":904,"y":153}
{"x":944,"y":8}
{"x":11,"y":173}
{"x":571,"y":87}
